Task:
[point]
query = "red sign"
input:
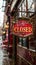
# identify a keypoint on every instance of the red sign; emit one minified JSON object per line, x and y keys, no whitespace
{"x":22,"y":28}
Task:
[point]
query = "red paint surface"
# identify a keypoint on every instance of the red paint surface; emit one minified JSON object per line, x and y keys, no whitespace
{"x":22,"y":28}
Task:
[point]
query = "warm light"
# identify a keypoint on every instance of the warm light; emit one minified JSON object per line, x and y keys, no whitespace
{"x":6,"y":26}
{"x":3,"y":32}
{"x":22,"y":29}
{"x":7,"y":23}
{"x":33,"y":6}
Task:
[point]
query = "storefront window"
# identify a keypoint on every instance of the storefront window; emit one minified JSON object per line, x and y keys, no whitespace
{"x":24,"y":42}
{"x":20,"y":41}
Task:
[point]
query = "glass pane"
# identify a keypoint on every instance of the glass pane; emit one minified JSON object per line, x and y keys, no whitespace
{"x":4,"y":2}
{"x":24,"y":42}
{"x":31,"y":6}
{"x":19,"y":14}
{"x":3,"y":9}
{"x":20,"y":41}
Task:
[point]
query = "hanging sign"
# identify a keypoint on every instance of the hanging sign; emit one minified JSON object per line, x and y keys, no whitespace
{"x":22,"y":28}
